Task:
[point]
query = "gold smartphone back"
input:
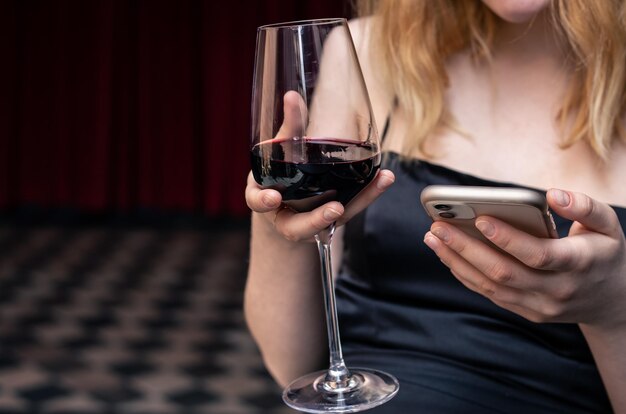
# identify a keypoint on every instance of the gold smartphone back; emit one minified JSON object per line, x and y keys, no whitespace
{"x":524,"y":209}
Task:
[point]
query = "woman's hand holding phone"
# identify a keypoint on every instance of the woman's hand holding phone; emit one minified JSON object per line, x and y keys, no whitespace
{"x":580,"y":278}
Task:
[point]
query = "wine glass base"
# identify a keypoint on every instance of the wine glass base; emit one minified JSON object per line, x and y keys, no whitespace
{"x":371,"y":388}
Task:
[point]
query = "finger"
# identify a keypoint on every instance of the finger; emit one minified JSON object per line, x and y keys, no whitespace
{"x":383,"y":180}
{"x":511,"y":300}
{"x":261,"y":200}
{"x":535,"y":252}
{"x":523,"y":311}
{"x":496,"y":266}
{"x":590,"y":213}
{"x":295,"y":116}
{"x":302,"y":226}
{"x":470,"y":276}
{"x":530,"y":305}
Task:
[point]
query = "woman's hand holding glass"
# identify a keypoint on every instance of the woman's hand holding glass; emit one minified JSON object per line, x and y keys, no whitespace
{"x":297,"y":226}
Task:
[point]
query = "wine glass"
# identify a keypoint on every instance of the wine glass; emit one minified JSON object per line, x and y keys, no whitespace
{"x":314,"y":140}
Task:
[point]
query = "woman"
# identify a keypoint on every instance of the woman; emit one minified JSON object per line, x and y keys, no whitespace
{"x":475,"y":93}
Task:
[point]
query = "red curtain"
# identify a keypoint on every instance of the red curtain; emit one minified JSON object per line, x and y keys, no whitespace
{"x":122,"y":104}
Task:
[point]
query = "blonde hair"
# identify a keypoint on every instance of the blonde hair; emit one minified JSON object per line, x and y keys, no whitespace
{"x":413,"y":38}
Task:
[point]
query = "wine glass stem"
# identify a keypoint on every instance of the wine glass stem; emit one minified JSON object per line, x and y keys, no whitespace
{"x":338,"y":376}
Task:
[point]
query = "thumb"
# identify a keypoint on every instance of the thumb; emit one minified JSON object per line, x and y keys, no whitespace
{"x":295,"y":116}
{"x":589,"y":213}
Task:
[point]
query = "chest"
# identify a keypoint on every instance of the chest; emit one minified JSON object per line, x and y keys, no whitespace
{"x":506,"y":130}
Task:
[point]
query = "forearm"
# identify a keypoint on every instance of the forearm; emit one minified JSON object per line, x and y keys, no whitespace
{"x":283,"y":302}
{"x":609,"y":350}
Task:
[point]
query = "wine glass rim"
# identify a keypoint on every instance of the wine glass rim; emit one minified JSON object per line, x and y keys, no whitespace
{"x":308,"y":22}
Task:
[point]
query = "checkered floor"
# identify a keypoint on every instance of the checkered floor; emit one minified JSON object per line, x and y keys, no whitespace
{"x":127,"y":320}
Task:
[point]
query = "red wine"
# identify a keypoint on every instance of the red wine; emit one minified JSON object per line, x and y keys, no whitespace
{"x":309,"y":172}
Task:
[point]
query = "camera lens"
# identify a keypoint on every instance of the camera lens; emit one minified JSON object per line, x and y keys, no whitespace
{"x":443,"y":207}
{"x":447,"y":214}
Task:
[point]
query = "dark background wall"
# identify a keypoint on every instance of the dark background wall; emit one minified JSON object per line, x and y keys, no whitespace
{"x":121,"y":105}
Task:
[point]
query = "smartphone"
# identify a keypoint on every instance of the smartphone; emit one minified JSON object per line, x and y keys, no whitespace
{"x":524,"y":209}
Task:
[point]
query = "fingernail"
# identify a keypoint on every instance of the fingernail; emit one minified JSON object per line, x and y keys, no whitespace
{"x":331,"y":214}
{"x":384,"y":182}
{"x":561,"y":197}
{"x":441,"y":233}
{"x":485,"y":228}
{"x":431,"y":241}
{"x":269,"y":201}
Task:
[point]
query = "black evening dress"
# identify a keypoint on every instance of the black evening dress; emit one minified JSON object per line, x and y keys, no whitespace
{"x":452,"y":350}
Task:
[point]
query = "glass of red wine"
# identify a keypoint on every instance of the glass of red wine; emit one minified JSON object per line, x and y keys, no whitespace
{"x":314,"y":140}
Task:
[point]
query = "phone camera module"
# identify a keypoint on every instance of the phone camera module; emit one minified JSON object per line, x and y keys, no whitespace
{"x":443,"y":207}
{"x":447,"y":214}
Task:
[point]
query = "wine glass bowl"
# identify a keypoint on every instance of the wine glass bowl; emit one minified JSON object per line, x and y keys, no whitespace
{"x":309,"y":172}
{"x":314,"y":140}
{"x":312,"y":123}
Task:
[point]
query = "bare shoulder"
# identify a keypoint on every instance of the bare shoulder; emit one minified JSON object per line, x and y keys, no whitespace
{"x":359,"y":25}
{"x":360,"y":29}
